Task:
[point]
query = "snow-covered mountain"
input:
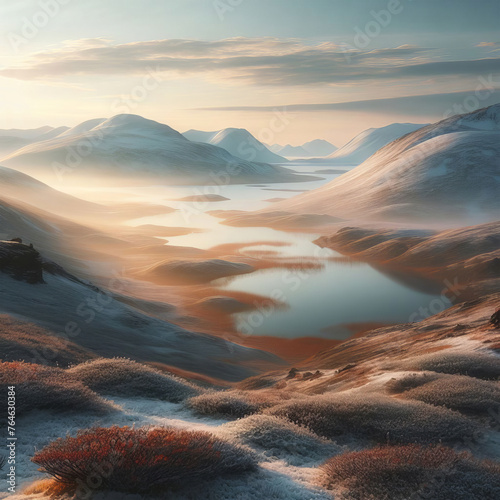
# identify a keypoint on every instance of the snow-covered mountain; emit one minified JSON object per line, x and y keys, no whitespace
{"x":13,"y":139}
{"x":290,"y":151}
{"x":239,"y":142}
{"x":319,"y":147}
{"x":369,"y":142}
{"x":446,"y":171}
{"x":311,"y":149}
{"x":129,"y":146}
{"x":28,"y":134}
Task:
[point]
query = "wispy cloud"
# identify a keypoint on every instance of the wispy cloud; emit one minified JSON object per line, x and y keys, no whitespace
{"x":264,"y":61}
{"x":488,"y":44}
{"x":416,"y":105}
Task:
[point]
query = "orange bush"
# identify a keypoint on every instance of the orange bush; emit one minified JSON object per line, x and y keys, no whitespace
{"x":140,"y":460}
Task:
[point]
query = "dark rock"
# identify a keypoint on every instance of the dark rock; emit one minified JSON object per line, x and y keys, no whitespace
{"x":292,"y":373}
{"x":21,"y":262}
{"x":347,"y":367}
{"x":495,"y":319}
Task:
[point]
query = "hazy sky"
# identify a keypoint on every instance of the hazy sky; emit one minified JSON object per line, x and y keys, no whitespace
{"x":288,"y":70}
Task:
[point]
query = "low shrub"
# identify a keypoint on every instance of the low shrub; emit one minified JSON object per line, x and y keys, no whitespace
{"x":256,"y":383}
{"x":41,"y":387}
{"x":457,"y":392}
{"x":378,"y":419}
{"x":123,"y":377}
{"x":238,"y":404}
{"x":20,"y":340}
{"x":475,"y":364}
{"x":280,"y":438}
{"x":410,"y":472}
{"x":230,"y":404}
{"x":409,"y":381}
{"x":140,"y":460}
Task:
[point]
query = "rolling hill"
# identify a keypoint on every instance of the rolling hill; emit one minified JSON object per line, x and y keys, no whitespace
{"x":237,"y":141}
{"x":129,"y":148}
{"x":445,"y":171}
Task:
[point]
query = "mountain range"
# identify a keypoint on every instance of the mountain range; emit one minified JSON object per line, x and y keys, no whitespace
{"x":130,"y":147}
{"x":239,"y":142}
{"x":449,"y":170}
{"x":311,"y":149}
{"x":365,"y":144}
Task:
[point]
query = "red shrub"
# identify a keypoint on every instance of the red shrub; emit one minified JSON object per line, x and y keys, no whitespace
{"x":140,"y":460}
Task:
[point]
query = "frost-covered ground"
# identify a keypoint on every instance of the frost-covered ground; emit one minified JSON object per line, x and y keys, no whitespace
{"x":365,"y":393}
{"x":386,"y":409}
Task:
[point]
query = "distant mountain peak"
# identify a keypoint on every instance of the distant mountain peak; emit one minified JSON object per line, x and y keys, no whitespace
{"x":237,"y":141}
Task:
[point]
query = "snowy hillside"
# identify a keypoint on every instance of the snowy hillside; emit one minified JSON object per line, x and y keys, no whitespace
{"x":28,"y":134}
{"x":118,"y":329}
{"x":239,"y":142}
{"x":14,"y":139}
{"x":19,"y":188}
{"x":129,"y":145}
{"x":448,"y":170}
{"x":369,"y":142}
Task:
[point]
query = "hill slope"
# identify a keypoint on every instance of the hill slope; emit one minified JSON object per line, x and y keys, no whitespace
{"x":319,"y":147}
{"x":290,"y":151}
{"x":239,"y":142}
{"x":369,"y":142}
{"x":137,"y":148}
{"x":449,"y":170}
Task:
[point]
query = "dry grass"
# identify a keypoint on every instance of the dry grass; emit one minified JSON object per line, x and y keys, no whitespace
{"x":22,"y":341}
{"x":474,"y":364}
{"x":280,"y":438}
{"x":411,"y":472}
{"x":123,"y":377}
{"x":457,"y":392}
{"x":48,"y":388}
{"x":230,"y":404}
{"x":378,"y":419}
{"x":238,"y":404}
{"x":409,"y":381}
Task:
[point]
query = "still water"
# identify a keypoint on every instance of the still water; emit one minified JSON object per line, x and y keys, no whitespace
{"x":330,"y":302}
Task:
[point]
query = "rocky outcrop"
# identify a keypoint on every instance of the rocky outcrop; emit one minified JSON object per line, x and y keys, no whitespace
{"x":20,"y":261}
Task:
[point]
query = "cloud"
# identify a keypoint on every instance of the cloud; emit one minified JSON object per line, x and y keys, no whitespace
{"x":488,"y":44}
{"x":263,"y":61}
{"x":416,"y":105}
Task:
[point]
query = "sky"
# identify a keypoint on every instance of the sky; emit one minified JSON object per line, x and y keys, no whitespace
{"x":289,"y":71}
